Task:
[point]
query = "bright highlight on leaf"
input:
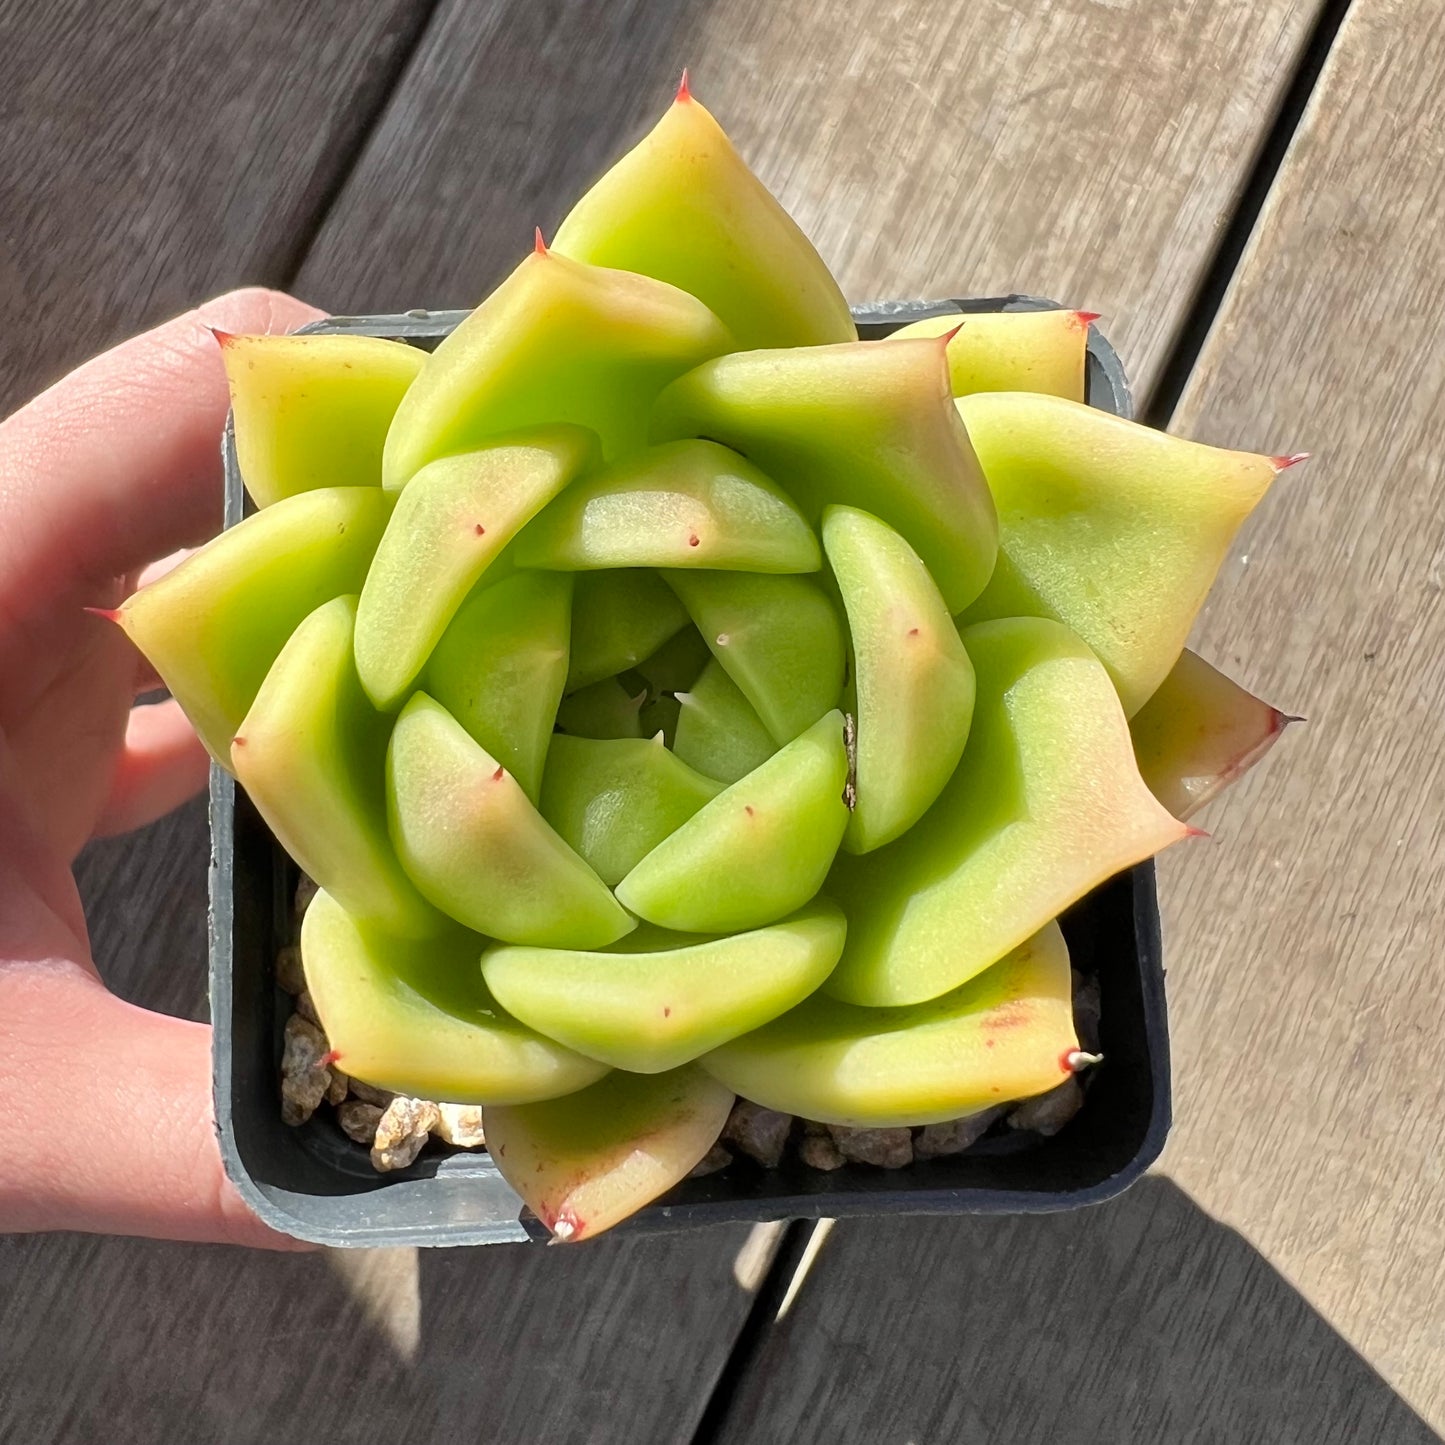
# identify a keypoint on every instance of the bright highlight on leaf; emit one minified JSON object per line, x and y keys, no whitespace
{"x":1112,"y":528}
{"x":1012,"y":350}
{"x":313,"y":411}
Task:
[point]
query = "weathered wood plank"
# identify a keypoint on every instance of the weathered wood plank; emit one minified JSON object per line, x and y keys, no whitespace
{"x":1307,"y":936}
{"x":1077,"y":149}
{"x":1303,"y":941}
{"x":1141,"y":1320}
{"x":136,"y":1343}
{"x":152,"y":154}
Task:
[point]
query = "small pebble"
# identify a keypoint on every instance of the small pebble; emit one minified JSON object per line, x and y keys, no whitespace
{"x":935,"y":1141}
{"x":460,"y":1125}
{"x":358,"y":1121}
{"x":370,"y":1094}
{"x":306,"y":1007}
{"x":288,"y":970}
{"x":716,"y":1158}
{"x":761,"y":1134}
{"x":818,"y":1151}
{"x":304,"y":1079}
{"x":887,"y":1148}
{"x":338,"y":1088}
{"x":402,"y":1132}
{"x":1047,"y":1113}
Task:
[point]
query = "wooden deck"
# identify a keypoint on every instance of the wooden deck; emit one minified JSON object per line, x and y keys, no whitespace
{"x":1253,"y":196}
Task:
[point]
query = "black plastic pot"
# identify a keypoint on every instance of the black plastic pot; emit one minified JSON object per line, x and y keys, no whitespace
{"x":316,"y":1184}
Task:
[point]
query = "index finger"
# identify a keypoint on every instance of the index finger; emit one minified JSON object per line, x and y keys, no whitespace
{"x":119,"y":462}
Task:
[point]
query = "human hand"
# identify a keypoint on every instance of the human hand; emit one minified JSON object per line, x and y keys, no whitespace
{"x":106,"y":1122}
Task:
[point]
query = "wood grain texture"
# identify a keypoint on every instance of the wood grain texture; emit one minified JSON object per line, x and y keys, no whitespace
{"x":154,"y":153}
{"x":115,"y":1342}
{"x":1140,"y":1321}
{"x":1306,"y":945}
{"x":1084,"y":149}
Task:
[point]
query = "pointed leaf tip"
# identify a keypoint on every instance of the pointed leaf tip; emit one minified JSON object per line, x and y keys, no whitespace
{"x":539,"y":247}
{"x":1190,"y":831}
{"x":1087,"y":318}
{"x":1284,"y":463}
{"x":223,"y":338}
{"x":946,"y":336}
{"x":684,"y":92}
{"x":110,"y":614}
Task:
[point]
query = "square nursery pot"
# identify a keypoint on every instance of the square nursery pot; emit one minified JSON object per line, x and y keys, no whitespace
{"x":316,"y":1184}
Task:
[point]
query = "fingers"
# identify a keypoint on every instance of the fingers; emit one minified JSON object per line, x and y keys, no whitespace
{"x":108,"y":1122}
{"x":161,"y":765}
{"x":119,"y":462}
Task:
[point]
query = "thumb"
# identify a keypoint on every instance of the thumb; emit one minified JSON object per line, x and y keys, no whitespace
{"x":108,"y":1125}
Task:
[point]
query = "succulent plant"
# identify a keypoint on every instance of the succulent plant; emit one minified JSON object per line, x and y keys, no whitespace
{"x":677,"y":697}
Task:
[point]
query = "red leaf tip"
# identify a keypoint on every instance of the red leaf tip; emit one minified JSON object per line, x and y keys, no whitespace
{"x":329,"y":1058}
{"x":499,"y":774}
{"x":539,"y":248}
{"x":1087,"y":318}
{"x":223,"y":338}
{"x":945,"y":337}
{"x":110,"y":614}
{"x":1190,"y":831}
{"x":684,"y":91}
{"x":1282,"y":464}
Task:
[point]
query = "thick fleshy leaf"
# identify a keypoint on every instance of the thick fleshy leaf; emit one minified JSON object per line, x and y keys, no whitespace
{"x":861,"y":425}
{"x":558,"y":341}
{"x":1046,"y":804}
{"x":1012,"y":350}
{"x":313,"y":411}
{"x":718,"y":731}
{"x":758,"y":850}
{"x":212,"y":627}
{"x":779,"y":638}
{"x":1007,"y":1034}
{"x":685,"y":504}
{"x":619,"y":619}
{"x":416,"y":1017}
{"x":586,"y":1162}
{"x":311,"y":754}
{"x":615,"y":801}
{"x":658,"y":999}
{"x":684,"y":207}
{"x":1199,"y":733}
{"x":448,"y":526}
{"x":912,"y":679}
{"x":1112,"y":528}
{"x":500,"y":666}
{"x":475,"y":846}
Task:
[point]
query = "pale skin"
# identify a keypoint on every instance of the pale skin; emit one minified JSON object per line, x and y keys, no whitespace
{"x":106,"y":1123}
